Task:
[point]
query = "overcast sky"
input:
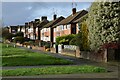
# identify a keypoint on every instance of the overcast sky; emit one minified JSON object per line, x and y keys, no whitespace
{"x":17,"y":13}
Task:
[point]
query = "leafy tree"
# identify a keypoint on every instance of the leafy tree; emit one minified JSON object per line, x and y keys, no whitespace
{"x":82,"y":36}
{"x":103,"y":23}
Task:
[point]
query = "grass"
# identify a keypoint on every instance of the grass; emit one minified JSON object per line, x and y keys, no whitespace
{"x":53,"y":70}
{"x":20,"y":57}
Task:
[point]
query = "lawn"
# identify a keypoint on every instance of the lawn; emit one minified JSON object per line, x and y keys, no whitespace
{"x":20,"y":57}
{"x":53,"y":70}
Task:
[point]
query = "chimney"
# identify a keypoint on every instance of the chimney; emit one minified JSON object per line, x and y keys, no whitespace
{"x":44,"y":18}
{"x":26,"y":23}
{"x":73,"y":11}
{"x":37,"y":20}
{"x":54,"y":16}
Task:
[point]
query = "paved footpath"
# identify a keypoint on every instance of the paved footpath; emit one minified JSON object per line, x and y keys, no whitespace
{"x":113,"y":69}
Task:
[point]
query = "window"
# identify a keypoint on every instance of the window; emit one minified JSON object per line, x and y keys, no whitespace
{"x":68,"y":26}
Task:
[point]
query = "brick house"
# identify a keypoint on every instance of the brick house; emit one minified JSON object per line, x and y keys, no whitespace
{"x":69,"y":25}
{"x":43,"y":22}
{"x":31,"y":29}
{"x":20,"y":28}
{"x":48,"y":29}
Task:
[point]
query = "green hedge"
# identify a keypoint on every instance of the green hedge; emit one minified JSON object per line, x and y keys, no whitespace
{"x":65,"y":39}
{"x":19,"y":39}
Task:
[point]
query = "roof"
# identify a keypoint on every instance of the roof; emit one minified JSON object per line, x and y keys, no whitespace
{"x":42,"y":23}
{"x":81,"y":18}
{"x":72,"y":18}
{"x":54,"y":22}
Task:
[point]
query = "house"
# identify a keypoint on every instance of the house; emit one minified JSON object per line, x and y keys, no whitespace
{"x":69,"y":25}
{"x":26,"y":29}
{"x":13,"y":29}
{"x":43,"y":22}
{"x":20,"y":28}
{"x":48,"y":30}
{"x":31,"y":29}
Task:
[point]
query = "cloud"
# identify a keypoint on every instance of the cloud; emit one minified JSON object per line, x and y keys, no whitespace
{"x":15,"y":13}
{"x":29,"y":8}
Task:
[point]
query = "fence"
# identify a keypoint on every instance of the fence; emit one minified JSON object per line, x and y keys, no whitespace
{"x":70,"y":50}
{"x":70,"y":47}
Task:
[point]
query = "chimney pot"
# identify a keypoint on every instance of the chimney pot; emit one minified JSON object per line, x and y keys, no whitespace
{"x":54,"y":16}
{"x":44,"y":18}
{"x":73,"y":11}
{"x":37,"y":20}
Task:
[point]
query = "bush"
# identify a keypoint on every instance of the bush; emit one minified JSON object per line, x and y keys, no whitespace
{"x":19,"y":34}
{"x":26,"y":43}
{"x":19,"y":39}
{"x":82,"y":37}
{"x":46,"y":44}
{"x":65,"y":39}
{"x":73,"y":41}
{"x":8,"y":36}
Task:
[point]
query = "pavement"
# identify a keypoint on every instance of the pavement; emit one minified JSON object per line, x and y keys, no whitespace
{"x":112,"y":74}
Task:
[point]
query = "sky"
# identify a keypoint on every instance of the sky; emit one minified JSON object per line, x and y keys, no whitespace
{"x":17,"y":13}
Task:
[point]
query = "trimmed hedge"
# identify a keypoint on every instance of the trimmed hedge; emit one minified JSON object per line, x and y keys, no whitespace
{"x":65,"y":39}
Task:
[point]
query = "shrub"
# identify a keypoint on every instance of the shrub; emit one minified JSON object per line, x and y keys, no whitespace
{"x":26,"y":43}
{"x":19,"y":34}
{"x":111,"y":45}
{"x":82,"y":37}
{"x":73,"y":41}
{"x":8,"y":36}
{"x":65,"y":39}
{"x":19,"y":39}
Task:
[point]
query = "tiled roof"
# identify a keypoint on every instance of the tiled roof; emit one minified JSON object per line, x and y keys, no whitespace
{"x":54,"y":22}
{"x":81,"y":18}
{"x":72,"y":18}
{"x":42,"y":23}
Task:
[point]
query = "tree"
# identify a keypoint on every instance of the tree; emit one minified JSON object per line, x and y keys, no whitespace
{"x":103,"y":23}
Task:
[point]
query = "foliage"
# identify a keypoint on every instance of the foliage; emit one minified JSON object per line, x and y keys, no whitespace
{"x":111,"y":45}
{"x":82,"y":37}
{"x":8,"y":36}
{"x":20,"y":57}
{"x":65,"y":39}
{"x":73,"y":41}
{"x":19,"y":39}
{"x":103,"y":23}
{"x":46,"y":44}
{"x":54,"y":70}
{"x":19,"y":34}
{"x":26,"y":43}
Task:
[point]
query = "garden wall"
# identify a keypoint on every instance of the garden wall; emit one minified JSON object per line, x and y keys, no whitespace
{"x":100,"y":56}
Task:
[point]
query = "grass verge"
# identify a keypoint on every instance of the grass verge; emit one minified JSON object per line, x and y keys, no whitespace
{"x":53,"y":70}
{"x":19,"y":57}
